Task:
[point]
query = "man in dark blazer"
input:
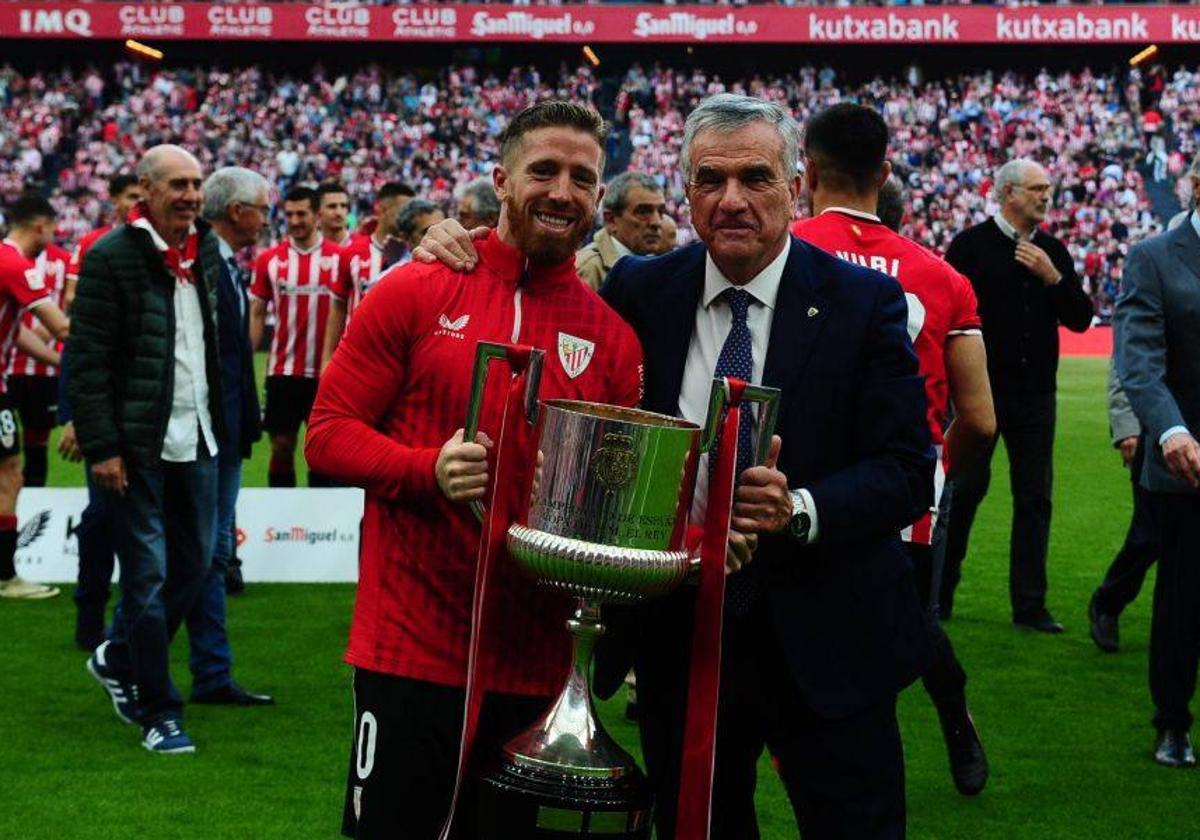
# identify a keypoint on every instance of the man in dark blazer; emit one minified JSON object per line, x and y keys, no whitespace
{"x":1158,"y":360}
{"x":236,"y":205}
{"x":823,"y":627}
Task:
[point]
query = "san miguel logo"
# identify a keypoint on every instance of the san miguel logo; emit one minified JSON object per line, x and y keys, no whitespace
{"x":614,"y":464}
{"x":574,"y":353}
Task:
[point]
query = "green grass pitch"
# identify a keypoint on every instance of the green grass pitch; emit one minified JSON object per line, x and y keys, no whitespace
{"x":1066,"y":727}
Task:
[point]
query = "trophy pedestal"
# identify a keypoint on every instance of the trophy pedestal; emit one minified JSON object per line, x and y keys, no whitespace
{"x":530,"y":804}
{"x":564,"y":777}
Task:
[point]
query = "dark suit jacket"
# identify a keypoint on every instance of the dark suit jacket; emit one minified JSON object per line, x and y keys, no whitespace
{"x":1157,"y":325}
{"x":852,"y":419}
{"x":243,"y":425}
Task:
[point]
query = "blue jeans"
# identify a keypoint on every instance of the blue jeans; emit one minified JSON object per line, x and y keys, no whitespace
{"x":211,"y":660}
{"x":163,"y":529}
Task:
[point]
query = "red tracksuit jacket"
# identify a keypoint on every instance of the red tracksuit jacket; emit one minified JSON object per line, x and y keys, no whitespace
{"x":395,"y":392}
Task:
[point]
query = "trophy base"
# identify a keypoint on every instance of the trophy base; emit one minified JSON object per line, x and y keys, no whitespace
{"x":534,"y":804}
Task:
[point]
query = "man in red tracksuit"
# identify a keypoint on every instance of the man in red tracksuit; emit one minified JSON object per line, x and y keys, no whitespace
{"x":385,"y":419}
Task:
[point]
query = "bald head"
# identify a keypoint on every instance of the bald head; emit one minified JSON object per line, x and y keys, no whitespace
{"x":170,"y":178}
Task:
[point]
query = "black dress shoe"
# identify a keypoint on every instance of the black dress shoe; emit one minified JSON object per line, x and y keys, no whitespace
{"x":1105,"y":631}
{"x":233,"y":695}
{"x":1042,"y":622}
{"x":1174,"y":749}
{"x":968,"y":762}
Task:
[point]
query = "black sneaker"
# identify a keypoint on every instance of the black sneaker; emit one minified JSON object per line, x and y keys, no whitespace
{"x":1174,"y":749}
{"x":968,"y":762}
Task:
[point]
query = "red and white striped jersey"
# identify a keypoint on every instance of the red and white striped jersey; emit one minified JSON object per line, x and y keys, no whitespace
{"x":941,"y":304}
{"x":363,"y":264}
{"x":51,"y":264}
{"x":21,"y":286}
{"x":85,"y":244}
{"x":299,"y":285}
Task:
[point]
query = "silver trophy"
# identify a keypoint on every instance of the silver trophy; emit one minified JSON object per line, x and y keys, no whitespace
{"x":607,"y":524}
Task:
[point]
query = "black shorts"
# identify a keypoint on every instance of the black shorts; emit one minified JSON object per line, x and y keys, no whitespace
{"x":36,"y":399}
{"x":404,"y":755}
{"x":10,"y":432}
{"x":288,"y":402}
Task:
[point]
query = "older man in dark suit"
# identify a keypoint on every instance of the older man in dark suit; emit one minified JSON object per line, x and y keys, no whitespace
{"x":1158,"y":359}
{"x":823,"y":628}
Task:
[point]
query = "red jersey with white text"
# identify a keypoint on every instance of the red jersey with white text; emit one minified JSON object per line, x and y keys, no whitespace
{"x":941,"y":304}
{"x":85,"y":244}
{"x":299,"y":285}
{"x":395,"y":392}
{"x":51,"y":265}
{"x":21,"y":286}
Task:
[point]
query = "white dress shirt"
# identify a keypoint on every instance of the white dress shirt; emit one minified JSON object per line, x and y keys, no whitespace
{"x":620,"y":248}
{"x":1011,"y":232}
{"x":190,"y":417}
{"x":714,"y":320}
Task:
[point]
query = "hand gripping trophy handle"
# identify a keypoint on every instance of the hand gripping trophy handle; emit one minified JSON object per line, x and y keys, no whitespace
{"x":719,"y":398}
{"x":485,"y":353}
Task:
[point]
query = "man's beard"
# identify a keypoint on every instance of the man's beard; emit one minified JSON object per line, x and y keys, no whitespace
{"x":539,"y":247}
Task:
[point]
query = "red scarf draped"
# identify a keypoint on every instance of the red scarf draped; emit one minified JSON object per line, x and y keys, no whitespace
{"x":179,"y":260}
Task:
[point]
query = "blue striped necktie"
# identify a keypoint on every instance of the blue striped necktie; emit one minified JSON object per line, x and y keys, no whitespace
{"x":737,"y":359}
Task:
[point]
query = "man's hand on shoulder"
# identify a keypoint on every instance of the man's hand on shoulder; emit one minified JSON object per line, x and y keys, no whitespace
{"x":762,"y":503}
{"x":462,"y":469}
{"x":1182,"y":454}
{"x":449,"y":243}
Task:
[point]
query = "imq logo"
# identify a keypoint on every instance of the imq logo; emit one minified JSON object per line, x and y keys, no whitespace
{"x":56,"y":22}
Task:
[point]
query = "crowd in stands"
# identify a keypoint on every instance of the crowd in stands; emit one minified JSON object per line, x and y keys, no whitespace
{"x":1101,"y":136}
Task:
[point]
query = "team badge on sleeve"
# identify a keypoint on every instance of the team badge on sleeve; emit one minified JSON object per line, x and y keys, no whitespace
{"x":574,"y":353}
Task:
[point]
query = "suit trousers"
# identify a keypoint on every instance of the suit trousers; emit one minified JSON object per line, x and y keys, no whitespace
{"x":1026,"y":423}
{"x":844,"y":778}
{"x":1175,"y":627}
{"x":1123,"y":580}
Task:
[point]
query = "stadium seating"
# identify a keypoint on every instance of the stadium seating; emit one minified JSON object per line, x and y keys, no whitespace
{"x":1103,"y":138}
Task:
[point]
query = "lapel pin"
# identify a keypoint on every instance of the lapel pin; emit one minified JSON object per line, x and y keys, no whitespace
{"x":812,"y":311}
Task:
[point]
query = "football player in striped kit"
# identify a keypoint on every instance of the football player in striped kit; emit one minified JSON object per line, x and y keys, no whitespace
{"x":31,"y":219}
{"x":298,"y":279}
{"x":32,"y":381}
{"x":364,"y":260}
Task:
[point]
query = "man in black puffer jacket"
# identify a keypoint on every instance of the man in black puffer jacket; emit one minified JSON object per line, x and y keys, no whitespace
{"x":144,"y":380}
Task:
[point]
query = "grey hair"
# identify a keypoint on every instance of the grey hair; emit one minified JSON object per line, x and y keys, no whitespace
{"x":150,"y":166}
{"x":228,"y":185}
{"x":727,"y":112}
{"x":406,"y":219}
{"x":484,"y":201}
{"x":1011,"y":174}
{"x":616,"y":194}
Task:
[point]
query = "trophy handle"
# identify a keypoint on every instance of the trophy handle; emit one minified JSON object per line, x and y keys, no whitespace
{"x":485,"y":353}
{"x":768,"y":414}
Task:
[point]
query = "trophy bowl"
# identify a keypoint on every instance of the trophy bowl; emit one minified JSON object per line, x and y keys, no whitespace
{"x":606,"y":525}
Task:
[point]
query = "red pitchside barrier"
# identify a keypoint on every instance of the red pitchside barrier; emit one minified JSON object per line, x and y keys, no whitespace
{"x":602,"y":24}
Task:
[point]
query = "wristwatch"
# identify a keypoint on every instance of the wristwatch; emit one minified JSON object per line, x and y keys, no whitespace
{"x":801,"y":521}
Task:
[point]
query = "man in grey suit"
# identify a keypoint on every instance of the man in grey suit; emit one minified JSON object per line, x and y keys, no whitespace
{"x":1158,"y":360}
